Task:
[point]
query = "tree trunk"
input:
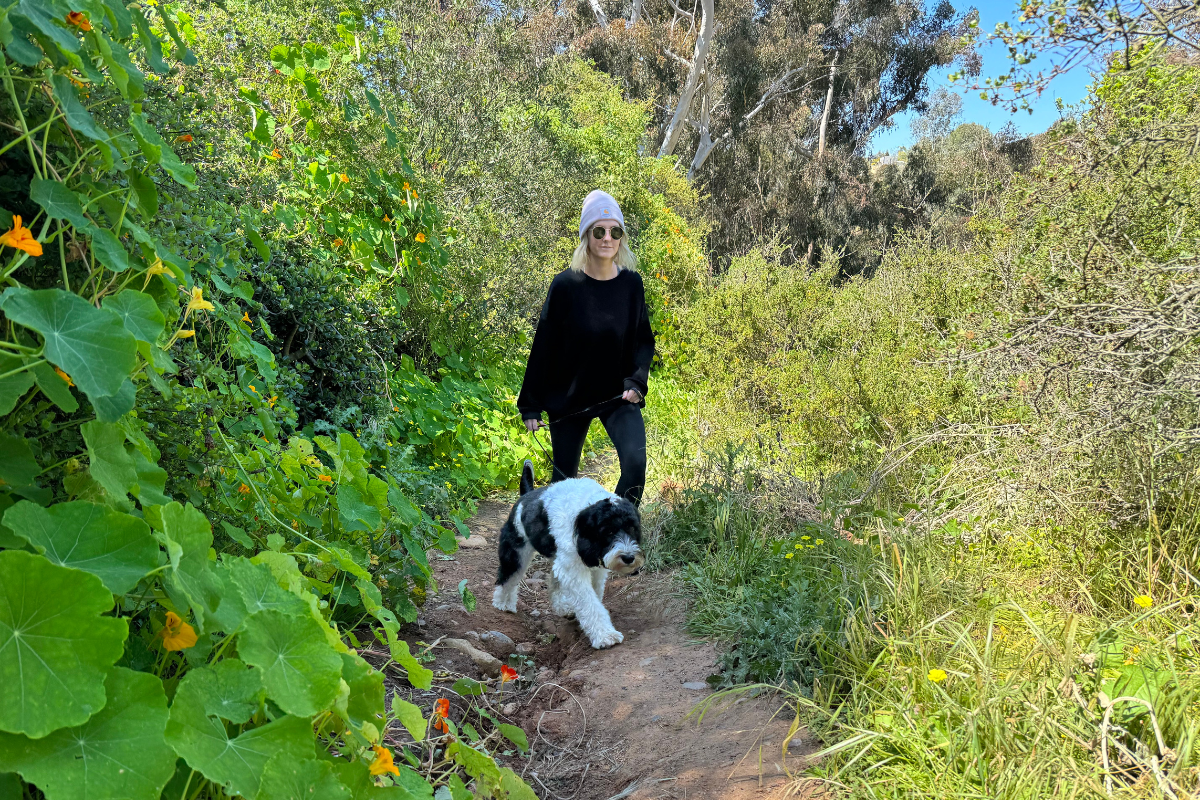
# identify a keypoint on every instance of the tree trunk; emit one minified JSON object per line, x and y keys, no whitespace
{"x":598,"y":10}
{"x":635,"y":13}
{"x":828,"y":106}
{"x":671,"y":137}
{"x":706,"y":144}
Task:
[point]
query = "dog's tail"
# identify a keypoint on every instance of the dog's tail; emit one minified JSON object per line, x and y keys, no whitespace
{"x":527,"y":477}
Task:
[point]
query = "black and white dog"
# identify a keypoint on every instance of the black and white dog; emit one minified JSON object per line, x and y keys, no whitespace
{"x":588,"y":532}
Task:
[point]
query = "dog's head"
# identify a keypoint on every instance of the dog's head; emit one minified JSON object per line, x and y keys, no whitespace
{"x":609,"y":534}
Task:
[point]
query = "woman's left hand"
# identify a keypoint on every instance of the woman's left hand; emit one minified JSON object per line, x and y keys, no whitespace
{"x":632,"y":396}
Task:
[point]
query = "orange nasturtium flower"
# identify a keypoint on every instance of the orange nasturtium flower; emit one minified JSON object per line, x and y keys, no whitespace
{"x":383,"y":762}
{"x":507,"y":674}
{"x":421,"y":237}
{"x":246,"y":317}
{"x":344,"y":178}
{"x":386,"y":218}
{"x":244,"y":489}
{"x":406,"y":187}
{"x":64,"y":376}
{"x":276,"y":154}
{"x":77,"y":19}
{"x":21,"y":238}
{"x":441,"y":712}
{"x":325,"y":478}
{"x":197,"y":301}
{"x":338,"y":242}
{"x":177,"y":634}
{"x":185,"y":138}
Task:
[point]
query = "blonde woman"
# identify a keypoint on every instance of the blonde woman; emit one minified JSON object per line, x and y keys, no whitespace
{"x":592,"y":351}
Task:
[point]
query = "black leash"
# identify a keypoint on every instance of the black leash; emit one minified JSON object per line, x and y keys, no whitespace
{"x":549,"y":457}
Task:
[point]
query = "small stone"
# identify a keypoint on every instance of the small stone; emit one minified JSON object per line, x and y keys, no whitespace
{"x":535,"y":613}
{"x":420,"y":622}
{"x":545,"y":675}
{"x":488,"y":664}
{"x":645,"y":662}
{"x":508,"y":709}
{"x":696,"y":686}
{"x":593,"y":663}
{"x":498,"y":644}
{"x":525,"y":648}
{"x":578,"y":673}
{"x":473,"y":541}
{"x":472,"y":635}
{"x":538,"y":575}
{"x":443,"y":607}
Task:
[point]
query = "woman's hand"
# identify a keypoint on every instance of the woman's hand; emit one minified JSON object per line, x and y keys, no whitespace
{"x":532,"y":425}
{"x":632,"y":396}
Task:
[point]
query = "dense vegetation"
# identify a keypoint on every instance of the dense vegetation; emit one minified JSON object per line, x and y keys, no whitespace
{"x":270,"y":272}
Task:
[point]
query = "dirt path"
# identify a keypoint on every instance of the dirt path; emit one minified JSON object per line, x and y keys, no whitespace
{"x":606,"y":724}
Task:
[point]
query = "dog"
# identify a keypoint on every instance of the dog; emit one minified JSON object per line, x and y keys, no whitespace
{"x":587,"y":531}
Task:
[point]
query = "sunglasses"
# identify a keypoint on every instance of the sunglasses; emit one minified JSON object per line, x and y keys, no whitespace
{"x":617,"y":233}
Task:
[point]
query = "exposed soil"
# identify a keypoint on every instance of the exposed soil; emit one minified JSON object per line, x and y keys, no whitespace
{"x":611,"y":723}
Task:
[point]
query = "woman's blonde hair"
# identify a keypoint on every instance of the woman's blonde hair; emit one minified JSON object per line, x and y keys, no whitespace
{"x":625,"y":258}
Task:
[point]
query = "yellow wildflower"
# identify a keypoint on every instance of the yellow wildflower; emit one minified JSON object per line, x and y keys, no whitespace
{"x":197,"y":302}
{"x":790,"y":555}
{"x":325,"y":478}
{"x":177,"y":634}
{"x":1143,"y":600}
{"x":243,"y":489}
{"x":937,"y":675}
{"x":344,"y":178}
{"x":383,"y":762}
{"x":246,"y":317}
{"x":420,"y":237}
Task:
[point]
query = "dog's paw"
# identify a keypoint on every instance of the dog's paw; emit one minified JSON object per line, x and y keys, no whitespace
{"x":607,"y":639}
{"x":500,"y":601}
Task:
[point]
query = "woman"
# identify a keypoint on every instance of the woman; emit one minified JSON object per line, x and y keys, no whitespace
{"x":592,"y":351}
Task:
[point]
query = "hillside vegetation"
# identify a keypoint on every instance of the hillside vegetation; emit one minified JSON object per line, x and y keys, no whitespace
{"x":923,"y":459}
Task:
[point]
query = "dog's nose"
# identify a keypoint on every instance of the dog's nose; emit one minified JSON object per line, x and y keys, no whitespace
{"x":628,"y":559}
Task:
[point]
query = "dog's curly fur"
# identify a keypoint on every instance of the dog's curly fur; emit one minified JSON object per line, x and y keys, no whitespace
{"x":587,"y":531}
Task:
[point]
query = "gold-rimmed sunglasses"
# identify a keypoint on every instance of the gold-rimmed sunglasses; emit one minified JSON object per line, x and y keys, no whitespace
{"x":617,"y":233}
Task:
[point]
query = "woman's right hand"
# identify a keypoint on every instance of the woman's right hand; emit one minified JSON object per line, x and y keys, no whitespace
{"x":532,"y":425}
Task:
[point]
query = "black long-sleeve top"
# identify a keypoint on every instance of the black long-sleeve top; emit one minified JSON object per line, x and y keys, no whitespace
{"x":593,"y":342}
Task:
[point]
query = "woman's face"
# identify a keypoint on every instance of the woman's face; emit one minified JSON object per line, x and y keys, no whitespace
{"x":606,"y":247}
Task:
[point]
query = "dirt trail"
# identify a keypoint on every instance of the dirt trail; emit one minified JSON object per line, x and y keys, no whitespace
{"x":608,"y":724}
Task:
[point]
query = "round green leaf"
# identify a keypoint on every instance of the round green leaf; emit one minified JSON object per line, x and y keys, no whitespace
{"x":117,"y":548}
{"x":55,"y":647}
{"x":59,"y":201}
{"x":119,"y":752}
{"x":286,"y":778}
{"x":237,"y":764}
{"x":261,"y":592}
{"x":139,"y":313}
{"x":301,"y":671}
{"x":90,"y":345}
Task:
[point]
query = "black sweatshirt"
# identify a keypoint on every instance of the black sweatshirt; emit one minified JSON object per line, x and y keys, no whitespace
{"x":593,"y":342}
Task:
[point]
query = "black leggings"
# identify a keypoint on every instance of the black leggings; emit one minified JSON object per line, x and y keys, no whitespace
{"x":625,"y":427}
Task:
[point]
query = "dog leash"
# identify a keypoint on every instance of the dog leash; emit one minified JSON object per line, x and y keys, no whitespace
{"x":549,"y":457}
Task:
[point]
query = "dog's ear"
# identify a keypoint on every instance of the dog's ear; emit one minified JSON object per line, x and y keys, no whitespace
{"x":527,"y":477}
{"x":593,"y":532}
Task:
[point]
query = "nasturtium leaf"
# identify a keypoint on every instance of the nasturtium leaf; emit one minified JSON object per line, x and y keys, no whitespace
{"x":188,"y":536}
{"x":139,"y":313}
{"x":301,"y":671}
{"x":286,"y":778}
{"x":128,"y":78}
{"x":124,"y":22}
{"x":59,"y":202}
{"x":14,"y":387}
{"x":55,"y":645}
{"x":237,"y":764}
{"x":467,"y":597}
{"x":111,"y":407}
{"x":41,"y":16}
{"x":231,"y":611}
{"x":229,"y":689}
{"x":153,"y":47}
{"x":23,"y":51}
{"x":147,"y":195}
{"x":159,"y":152}
{"x":356,"y":777}
{"x":261,"y":592}
{"x":89,"y":344}
{"x":418,"y":676}
{"x":239,"y":535}
{"x":513,"y":788}
{"x":467,"y":687}
{"x":365,"y":703}
{"x":77,"y":116}
{"x":54,"y":387}
{"x":373,"y":102}
{"x":515,"y":735}
{"x":117,"y":548}
{"x":316,"y":57}
{"x":111,"y":464}
{"x":410,"y":716}
{"x":118,"y":752}
{"x":18,"y":467}
{"x":283,"y":58}
{"x":181,"y":50}
{"x":109,"y":250}
{"x":260,"y":246}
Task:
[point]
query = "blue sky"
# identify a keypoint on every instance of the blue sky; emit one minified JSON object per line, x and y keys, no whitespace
{"x":1071,"y":87}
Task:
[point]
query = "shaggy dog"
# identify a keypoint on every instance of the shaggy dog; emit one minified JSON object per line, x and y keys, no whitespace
{"x":587,"y":531}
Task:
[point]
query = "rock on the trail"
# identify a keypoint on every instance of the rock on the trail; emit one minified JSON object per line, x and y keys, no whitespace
{"x":545,"y":675}
{"x":498,"y":644}
{"x":508,"y":709}
{"x":525,"y":649}
{"x":535,"y":613}
{"x":695,"y":686}
{"x":488,"y":664}
{"x":474,"y":540}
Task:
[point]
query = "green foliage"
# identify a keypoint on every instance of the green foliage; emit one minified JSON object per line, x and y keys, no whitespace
{"x":138,"y":646}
